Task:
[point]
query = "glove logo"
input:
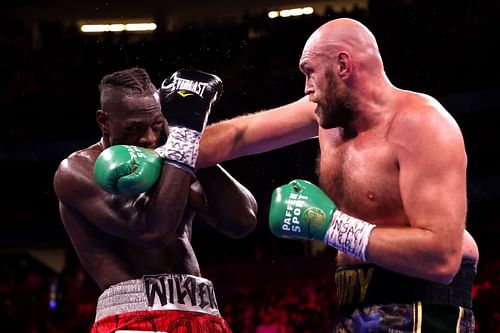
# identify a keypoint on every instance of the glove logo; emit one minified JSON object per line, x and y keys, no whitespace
{"x":181,"y":84}
{"x":315,"y":217}
{"x":184,"y":93}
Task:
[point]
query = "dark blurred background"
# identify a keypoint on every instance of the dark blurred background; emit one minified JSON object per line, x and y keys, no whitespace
{"x":49,"y":72}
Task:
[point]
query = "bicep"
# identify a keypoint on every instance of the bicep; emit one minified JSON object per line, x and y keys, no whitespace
{"x":79,"y":194}
{"x":433,"y":182}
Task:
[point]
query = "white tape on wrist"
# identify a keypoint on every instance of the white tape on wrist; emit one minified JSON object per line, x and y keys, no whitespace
{"x":181,"y":147}
{"x":349,"y":234}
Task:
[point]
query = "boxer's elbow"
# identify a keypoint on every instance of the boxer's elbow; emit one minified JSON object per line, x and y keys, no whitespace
{"x":240,"y":221}
{"x":241,"y":226}
{"x":445,"y":275}
{"x":446,"y":267}
{"x":248,"y":221}
{"x":238,"y":227}
{"x":245,"y":226}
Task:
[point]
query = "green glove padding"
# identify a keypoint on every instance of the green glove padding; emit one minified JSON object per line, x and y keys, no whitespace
{"x":300,"y":209}
{"x":125,"y":169}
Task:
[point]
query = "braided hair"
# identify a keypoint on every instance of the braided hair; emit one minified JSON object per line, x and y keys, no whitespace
{"x":116,"y":86}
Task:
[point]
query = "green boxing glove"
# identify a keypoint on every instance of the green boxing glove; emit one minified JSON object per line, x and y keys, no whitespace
{"x":124,"y":169}
{"x":301,"y":210}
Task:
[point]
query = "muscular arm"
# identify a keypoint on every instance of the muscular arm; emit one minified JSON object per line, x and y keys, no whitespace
{"x":258,"y":132}
{"x":224,"y":203}
{"x":151,"y":218}
{"x":433,"y":189}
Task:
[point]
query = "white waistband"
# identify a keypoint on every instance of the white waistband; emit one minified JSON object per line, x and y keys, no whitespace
{"x":159,"y":292}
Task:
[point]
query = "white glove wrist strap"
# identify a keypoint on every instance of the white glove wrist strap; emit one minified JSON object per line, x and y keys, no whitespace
{"x":181,"y":147}
{"x":349,"y":234}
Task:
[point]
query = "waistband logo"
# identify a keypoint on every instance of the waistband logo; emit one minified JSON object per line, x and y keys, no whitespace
{"x":165,"y":290}
{"x":352,"y":284}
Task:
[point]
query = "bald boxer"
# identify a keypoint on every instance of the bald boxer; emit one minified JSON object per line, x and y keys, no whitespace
{"x":392,"y":186}
{"x":136,"y":244}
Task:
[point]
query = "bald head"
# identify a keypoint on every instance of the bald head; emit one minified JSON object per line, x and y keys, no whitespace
{"x":346,"y":35}
{"x":343,"y":71}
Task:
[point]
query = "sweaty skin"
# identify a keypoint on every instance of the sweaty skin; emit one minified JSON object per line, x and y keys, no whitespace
{"x":392,"y":157}
{"x":122,"y":237}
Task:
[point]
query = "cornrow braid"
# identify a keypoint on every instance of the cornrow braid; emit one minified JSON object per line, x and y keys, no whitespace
{"x":133,"y":81}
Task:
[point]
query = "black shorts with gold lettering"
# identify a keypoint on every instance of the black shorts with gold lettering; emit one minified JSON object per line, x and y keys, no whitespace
{"x":372,"y":299}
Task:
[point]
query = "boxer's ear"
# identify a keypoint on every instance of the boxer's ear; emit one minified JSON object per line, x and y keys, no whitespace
{"x":102,"y":121}
{"x":344,"y":64}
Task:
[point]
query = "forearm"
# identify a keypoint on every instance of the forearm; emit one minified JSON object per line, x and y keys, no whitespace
{"x":415,"y":252}
{"x":165,"y":209}
{"x":153,"y":217}
{"x":301,"y":209}
{"x":231,"y":207}
{"x":218,"y":143}
{"x":258,"y":132}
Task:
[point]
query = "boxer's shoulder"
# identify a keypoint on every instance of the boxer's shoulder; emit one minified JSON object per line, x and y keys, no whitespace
{"x":81,"y":158}
{"x":74,"y":171}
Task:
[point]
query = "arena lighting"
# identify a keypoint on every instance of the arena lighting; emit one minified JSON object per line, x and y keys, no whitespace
{"x":290,"y":12}
{"x":118,"y":27}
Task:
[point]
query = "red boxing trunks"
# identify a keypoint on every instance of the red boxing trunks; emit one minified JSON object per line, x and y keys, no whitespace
{"x":173,"y":303}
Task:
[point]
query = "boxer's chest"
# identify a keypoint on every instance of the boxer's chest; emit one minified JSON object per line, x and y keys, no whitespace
{"x":360,"y":175}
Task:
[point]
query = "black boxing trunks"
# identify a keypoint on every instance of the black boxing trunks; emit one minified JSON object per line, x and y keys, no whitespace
{"x":372,"y":299}
{"x":173,"y":303}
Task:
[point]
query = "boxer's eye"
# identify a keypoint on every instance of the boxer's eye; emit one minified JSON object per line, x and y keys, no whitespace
{"x":132,"y":128}
{"x":157,"y":126}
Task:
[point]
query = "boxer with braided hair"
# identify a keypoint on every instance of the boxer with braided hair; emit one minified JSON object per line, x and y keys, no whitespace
{"x":128,"y":209}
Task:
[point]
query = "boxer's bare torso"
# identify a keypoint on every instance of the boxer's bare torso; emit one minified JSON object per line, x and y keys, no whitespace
{"x":109,"y":259}
{"x":361,"y":174}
